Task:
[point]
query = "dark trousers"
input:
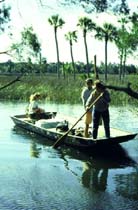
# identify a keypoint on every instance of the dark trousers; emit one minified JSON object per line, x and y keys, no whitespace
{"x":96,"y":120}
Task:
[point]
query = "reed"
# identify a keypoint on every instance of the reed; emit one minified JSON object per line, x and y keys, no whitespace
{"x":63,"y":90}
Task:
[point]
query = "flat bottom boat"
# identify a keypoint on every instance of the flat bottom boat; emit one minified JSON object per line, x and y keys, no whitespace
{"x":49,"y":129}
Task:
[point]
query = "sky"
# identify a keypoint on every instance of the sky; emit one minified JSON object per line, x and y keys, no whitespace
{"x":26,"y":13}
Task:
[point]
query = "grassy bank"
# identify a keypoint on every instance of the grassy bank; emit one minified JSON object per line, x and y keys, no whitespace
{"x":60,"y":90}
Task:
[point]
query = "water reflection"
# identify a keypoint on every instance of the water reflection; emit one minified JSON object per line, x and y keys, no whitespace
{"x":127,"y":184}
{"x":35,"y":150}
{"x":92,"y":171}
{"x":60,"y":179}
{"x":95,"y":168}
{"x":93,"y":175}
{"x":94,"y":178}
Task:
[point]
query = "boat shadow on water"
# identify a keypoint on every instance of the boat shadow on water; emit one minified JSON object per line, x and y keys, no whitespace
{"x":91,"y":168}
{"x":95,"y":165}
{"x":114,"y":154}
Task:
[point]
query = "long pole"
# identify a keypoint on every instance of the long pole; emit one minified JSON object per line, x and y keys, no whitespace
{"x":58,"y":142}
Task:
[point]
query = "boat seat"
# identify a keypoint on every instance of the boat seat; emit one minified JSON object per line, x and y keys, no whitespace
{"x":29,"y":120}
{"x":50,"y":123}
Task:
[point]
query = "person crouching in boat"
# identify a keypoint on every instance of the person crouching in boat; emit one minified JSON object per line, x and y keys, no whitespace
{"x":100,"y":108}
{"x":86,"y":92}
{"x":34,"y":111}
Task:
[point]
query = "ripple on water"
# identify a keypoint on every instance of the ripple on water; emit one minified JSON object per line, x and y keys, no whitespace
{"x":35,"y":177}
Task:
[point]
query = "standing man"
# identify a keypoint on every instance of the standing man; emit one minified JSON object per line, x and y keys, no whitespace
{"x":86,"y":92}
{"x":100,"y":108}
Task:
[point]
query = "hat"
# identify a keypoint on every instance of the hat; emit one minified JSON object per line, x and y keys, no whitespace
{"x":89,"y":80}
{"x":99,"y":84}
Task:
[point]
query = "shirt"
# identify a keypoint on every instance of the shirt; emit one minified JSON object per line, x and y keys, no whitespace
{"x":32,"y":106}
{"x":85,"y":95}
{"x":103,"y":102}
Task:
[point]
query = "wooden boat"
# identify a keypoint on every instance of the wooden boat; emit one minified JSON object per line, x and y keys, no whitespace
{"x":73,"y":139}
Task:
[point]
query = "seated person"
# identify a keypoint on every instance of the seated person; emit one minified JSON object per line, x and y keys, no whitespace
{"x":34,"y":111}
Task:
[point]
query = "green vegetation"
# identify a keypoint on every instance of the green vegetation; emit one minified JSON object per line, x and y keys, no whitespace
{"x":124,"y":35}
{"x":62,"y":82}
{"x":62,"y":90}
{"x":56,"y":22}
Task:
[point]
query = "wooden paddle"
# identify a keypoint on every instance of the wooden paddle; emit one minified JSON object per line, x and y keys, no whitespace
{"x":58,"y":142}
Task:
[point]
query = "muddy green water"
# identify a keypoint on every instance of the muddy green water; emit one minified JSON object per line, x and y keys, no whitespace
{"x":34,"y":176}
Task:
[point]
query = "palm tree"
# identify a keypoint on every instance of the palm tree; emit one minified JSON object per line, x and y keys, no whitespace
{"x":56,"y":22}
{"x":120,"y":42}
{"x":72,"y":36}
{"x":126,"y":44}
{"x":107,"y":33}
{"x":86,"y":25}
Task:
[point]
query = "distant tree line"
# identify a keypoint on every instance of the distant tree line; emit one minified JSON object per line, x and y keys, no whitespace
{"x":66,"y":68}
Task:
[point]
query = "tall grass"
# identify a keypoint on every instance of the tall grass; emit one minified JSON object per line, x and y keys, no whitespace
{"x":61,"y":90}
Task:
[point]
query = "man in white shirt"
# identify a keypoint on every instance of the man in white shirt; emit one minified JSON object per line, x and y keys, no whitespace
{"x":86,"y":92}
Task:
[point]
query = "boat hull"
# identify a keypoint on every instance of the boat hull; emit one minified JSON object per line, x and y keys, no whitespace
{"x":79,"y":142}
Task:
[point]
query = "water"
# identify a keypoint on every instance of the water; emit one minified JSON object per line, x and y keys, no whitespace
{"x":34,"y":176}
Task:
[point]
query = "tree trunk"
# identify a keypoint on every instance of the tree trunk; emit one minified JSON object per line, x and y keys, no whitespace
{"x":12,"y":82}
{"x":87,"y":57}
{"x":58,"y":62}
{"x":95,"y":69}
{"x":40,"y":58}
{"x":106,"y":59}
{"x":127,"y":90}
{"x":72,"y":58}
{"x":121,"y":64}
{"x":124,"y":64}
{"x":63,"y":69}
